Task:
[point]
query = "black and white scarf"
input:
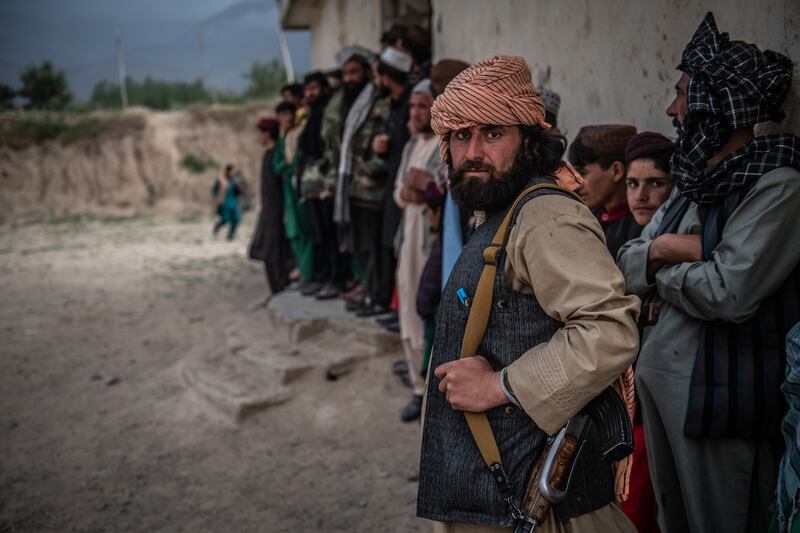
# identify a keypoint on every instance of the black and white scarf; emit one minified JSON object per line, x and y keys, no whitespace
{"x":733,"y":85}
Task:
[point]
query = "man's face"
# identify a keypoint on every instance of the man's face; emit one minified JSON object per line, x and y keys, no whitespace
{"x":382,"y":82}
{"x":489,"y":169}
{"x":289,"y":97}
{"x":419,"y":112}
{"x":312,"y":92}
{"x":484,"y":146}
{"x":648,"y":188}
{"x":353,"y":74}
{"x":599,"y":184}
{"x":677,"y":109}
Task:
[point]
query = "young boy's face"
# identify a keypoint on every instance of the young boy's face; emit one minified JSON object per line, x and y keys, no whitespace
{"x":286,"y":120}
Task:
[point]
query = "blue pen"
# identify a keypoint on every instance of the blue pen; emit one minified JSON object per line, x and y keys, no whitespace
{"x":463,"y":296}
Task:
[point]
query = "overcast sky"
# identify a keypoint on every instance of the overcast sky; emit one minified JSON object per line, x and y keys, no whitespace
{"x":160,"y":38}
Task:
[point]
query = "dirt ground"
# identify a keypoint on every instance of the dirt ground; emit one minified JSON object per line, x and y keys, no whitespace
{"x":100,"y":432}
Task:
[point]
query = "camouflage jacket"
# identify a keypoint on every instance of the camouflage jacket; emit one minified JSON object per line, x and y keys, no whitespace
{"x":370,"y":172}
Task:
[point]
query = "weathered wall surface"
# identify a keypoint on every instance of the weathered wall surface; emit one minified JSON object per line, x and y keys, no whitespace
{"x":131,"y":170}
{"x":340,"y":23}
{"x":611,"y":60}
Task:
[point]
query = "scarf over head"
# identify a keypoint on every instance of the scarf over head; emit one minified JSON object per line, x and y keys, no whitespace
{"x":733,"y":85}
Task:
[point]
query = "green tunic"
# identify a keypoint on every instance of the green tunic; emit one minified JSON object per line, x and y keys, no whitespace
{"x":295,"y":215}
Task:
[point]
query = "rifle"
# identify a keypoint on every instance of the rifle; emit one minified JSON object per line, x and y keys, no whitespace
{"x":606,"y":413}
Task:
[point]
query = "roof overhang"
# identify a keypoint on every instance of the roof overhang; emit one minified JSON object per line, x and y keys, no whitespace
{"x":297,"y":14}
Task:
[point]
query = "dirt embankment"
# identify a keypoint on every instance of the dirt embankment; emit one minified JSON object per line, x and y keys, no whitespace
{"x":130,"y":164}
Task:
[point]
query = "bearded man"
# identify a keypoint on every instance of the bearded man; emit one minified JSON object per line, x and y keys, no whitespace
{"x":418,"y":166}
{"x":356,"y":175}
{"x":561,"y":328}
{"x":720,"y":263}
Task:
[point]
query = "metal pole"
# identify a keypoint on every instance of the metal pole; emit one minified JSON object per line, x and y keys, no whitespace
{"x":204,"y":62}
{"x":284,"y":46}
{"x":123,"y":88}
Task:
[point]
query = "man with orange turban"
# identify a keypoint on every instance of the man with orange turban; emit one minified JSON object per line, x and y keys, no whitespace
{"x":560,"y":327}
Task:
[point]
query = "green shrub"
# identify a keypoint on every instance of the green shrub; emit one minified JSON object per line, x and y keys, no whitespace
{"x":20,"y":132}
{"x":197,"y":164}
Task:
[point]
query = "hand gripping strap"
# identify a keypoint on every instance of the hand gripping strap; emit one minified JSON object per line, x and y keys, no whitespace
{"x":478,"y":319}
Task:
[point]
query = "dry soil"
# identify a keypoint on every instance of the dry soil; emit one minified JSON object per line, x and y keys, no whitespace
{"x":100,"y":320}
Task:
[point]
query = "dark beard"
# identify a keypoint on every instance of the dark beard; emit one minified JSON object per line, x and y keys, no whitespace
{"x":678,"y":127}
{"x":496,"y":193}
{"x":350,"y":92}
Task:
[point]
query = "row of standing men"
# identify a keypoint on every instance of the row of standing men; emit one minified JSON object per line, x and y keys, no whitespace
{"x":354,"y":190}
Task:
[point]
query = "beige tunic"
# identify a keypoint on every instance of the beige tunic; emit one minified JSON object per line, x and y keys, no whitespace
{"x":412,"y":257}
{"x":557,"y":251}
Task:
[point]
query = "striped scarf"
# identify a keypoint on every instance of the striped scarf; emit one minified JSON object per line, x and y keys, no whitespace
{"x":733,"y":85}
{"x":358,"y":114}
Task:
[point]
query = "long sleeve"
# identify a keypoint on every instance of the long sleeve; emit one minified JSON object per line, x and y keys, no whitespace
{"x":632,"y":256}
{"x":757,"y":253}
{"x":398,"y":183}
{"x":279,"y":163}
{"x":557,"y":250}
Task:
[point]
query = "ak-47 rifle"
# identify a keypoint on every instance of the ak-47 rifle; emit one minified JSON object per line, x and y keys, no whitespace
{"x":607,"y":413}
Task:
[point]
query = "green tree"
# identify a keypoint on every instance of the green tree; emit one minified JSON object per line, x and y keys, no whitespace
{"x":7,"y":95}
{"x":265,"y":79}
{"x":45,"y":87}
{"x":155,"y":94}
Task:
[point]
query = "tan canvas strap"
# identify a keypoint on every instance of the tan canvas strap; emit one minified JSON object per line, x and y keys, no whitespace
{"x":478,"y":319}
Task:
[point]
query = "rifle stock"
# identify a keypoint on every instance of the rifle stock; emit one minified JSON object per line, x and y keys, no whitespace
{"x":607,"y":413}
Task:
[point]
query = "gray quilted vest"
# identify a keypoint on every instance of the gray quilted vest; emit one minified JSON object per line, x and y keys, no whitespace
{"x":455,"y":484}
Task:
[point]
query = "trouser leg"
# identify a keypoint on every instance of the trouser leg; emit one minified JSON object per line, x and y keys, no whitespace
{"x":387,"y":265}
{"x":414,"y":361}
{"x":218,"y":225}
{"x":697,"y":479}
{"x":666,"y":485}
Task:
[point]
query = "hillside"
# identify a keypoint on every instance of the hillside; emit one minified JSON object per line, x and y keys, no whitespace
{"x":124,"y":164}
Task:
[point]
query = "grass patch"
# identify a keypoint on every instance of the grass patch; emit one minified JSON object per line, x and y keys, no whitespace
{"x":198,"y":164}
{"x":20,"y":130}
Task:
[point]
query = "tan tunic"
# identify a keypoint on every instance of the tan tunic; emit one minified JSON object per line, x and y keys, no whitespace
{"x":413,"y":251}
{"x":557,"y":251}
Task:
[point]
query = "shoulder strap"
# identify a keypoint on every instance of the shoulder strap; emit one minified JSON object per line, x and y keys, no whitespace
{"x":476,"y":327}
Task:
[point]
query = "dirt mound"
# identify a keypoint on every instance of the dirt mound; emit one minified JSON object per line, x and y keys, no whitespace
{"x":126,"y":164}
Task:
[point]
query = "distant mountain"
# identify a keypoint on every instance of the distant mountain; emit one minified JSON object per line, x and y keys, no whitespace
{"x":236,"y":12}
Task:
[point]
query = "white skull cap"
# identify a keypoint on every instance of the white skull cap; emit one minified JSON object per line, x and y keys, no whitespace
{"x":397,"y":59}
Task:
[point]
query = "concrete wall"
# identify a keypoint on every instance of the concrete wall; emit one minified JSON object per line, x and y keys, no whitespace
{"x":339,"y":23}
{"x":611,"y":60}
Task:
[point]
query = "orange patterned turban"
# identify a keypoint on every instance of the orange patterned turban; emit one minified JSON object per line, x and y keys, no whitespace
{"x":495,"y":91}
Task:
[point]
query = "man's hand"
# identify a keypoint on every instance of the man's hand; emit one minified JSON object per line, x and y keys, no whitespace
{"x":673,"y":249}
{"x":469,"y":384}
{"x":411,"y":196}
{"x":380,"y":144}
